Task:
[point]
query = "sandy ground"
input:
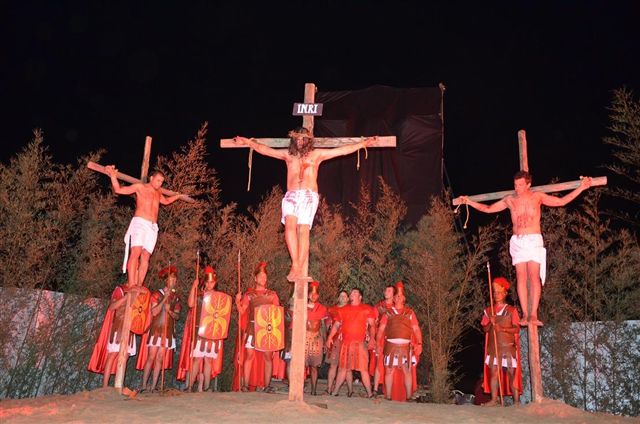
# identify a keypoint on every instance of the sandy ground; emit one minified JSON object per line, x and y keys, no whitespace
{"x":106,"y":405}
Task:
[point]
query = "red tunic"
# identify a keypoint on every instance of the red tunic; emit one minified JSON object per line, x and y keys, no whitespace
{"x":156,"y":330}
{"x":353,"y":322}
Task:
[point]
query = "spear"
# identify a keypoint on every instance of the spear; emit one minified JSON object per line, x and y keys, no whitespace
{"x":239,"y":340}
{"x":495,"y":337}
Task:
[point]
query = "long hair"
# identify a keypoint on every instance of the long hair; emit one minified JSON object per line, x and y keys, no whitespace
{"x":307,"y":146}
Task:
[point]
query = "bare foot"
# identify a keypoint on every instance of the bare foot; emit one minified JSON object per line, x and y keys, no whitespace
{"x":524,"y":321}
{"x":492,"y":402}
{"x":536,"y":321}
{"x":293,"y":274}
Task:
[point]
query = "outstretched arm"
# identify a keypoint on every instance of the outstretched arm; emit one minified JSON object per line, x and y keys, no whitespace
{"x":553,"y":201}
{"x":169,"y":200}
{"x":117,"y":188}
{"x":261,"y":148}
{"x":498,"y":206}
{"x":345,"y":150}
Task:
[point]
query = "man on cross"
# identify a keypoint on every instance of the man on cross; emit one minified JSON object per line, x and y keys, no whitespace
{"x":300,"y":203}
{"x":142,"y":233}
{"x":526,"y":247}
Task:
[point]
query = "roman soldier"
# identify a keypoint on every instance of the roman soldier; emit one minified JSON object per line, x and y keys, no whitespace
{"x":376,"y":366}
{"x":501,"y":325}
{"x":258,"y":367}
{"x":355,"y":321}
{"x":205,"y":329}
{"x":107,"y":347}
{"x":316,"y":333}
{"x":333,"y":354}
{"x":159,"y":343}
{"x":401,"y":337}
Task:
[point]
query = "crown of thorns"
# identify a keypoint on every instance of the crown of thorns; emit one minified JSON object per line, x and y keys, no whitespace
{"x":294,"y":134}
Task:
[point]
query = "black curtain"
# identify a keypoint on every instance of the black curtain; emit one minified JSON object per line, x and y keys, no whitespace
{"x":413,"y":169}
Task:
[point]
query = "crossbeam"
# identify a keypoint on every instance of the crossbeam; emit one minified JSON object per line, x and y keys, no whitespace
{"x":549,"y":188}
{"x":318,"y":142}
{"x":126,"y":178}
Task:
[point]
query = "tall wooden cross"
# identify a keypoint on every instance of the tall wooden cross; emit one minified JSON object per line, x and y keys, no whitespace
{"x":532,"y":328}
{"x":307,"y":110}
{"x":126,"y":323}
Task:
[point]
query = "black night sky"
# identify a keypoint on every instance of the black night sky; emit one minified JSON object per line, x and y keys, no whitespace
{"x":96,"y":76}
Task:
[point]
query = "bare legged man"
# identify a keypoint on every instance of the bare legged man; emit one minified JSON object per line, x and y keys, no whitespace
{"x":526,"y":246}
{"x":143,"y":229}
{"x":300,"y":203}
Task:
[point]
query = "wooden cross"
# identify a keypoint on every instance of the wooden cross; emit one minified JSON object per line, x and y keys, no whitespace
{"x":300,"y":291}
{"x":126,"y":323}
{"x":532,"y":328}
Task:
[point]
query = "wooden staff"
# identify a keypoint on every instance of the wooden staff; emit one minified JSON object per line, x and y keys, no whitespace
{"x":495,"y":337}
{"x":193,"y":320}
{"x":167,"y":315}
{"x":239,"y":340}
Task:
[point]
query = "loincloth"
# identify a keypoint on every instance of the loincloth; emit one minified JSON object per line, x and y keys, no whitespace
{"x":302,"y":204}
{"x":141,"y":232}
{"x":529,"y":247}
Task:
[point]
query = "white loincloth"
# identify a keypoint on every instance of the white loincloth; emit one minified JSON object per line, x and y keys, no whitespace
{"x":529,"y":247}
{"x":302,"y":204}
{"x":141,"y":232}
{"x":115,"y":347}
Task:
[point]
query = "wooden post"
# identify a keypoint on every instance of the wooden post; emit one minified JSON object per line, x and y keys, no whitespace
{"x":522,"y":148}
{"x":146,"y":156}
{"x":124,"y":344}
{"x":296,"y":370}
{"x":309,"y":97}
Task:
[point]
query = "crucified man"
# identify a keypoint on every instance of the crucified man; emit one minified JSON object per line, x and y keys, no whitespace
{"x":526,"y":247}
{"x":142,"y":233}
{"x":300,"y":203}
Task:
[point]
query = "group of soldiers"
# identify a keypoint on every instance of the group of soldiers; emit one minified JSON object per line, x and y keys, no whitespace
{"x":382,"y":341}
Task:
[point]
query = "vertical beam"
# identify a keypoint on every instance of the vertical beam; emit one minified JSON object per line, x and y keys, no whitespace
{"x":123,"y":355}
{"x":144,"y":171}
{"x":296,"y":372}
{"x":534,"y":364}
{"x":309,"y":97}
{"x":522,"y":148}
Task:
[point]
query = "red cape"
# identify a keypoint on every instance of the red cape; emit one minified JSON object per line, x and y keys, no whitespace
{"x":99,"y":354}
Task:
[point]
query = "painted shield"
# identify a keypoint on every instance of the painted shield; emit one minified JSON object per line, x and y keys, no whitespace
{"x":215,"y":316}
{"x":269,"y":328}
{"x":141,"y":312}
